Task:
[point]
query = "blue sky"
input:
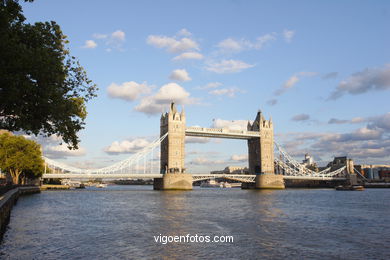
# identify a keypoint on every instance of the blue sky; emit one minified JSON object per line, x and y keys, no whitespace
{"x":321,"y":69}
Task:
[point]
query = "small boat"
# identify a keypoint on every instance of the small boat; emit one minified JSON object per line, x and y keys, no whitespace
{"x":225,"y":185}
{"x":357,"y":187}
{"x":350,"y":187}
{"x":101,"y":185}
{"x":210,"y":184}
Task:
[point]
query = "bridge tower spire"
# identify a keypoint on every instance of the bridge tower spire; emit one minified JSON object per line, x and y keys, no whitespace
{"x":172,"y":151}
{"x":261,"y":154}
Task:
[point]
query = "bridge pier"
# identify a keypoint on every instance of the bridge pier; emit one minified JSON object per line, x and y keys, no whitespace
{"x":269,"y":181}
{"x":173,"y":181}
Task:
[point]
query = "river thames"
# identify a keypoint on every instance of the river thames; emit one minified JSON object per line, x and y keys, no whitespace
{"x":120,"y":222}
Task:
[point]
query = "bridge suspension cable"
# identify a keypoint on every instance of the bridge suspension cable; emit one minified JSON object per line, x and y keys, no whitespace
{"x":127,"y":164}
{"x":291,"y":167}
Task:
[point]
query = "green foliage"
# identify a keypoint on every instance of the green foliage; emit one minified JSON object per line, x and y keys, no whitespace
{"x":20,"y":157}
{"x":43,"y":89}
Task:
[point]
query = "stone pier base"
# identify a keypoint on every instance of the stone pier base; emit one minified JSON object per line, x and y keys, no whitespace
{"x":269,"y":181}
{"x":173,"y":181}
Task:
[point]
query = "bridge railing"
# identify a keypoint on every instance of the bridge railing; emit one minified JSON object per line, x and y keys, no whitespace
{"x":222,"y":131}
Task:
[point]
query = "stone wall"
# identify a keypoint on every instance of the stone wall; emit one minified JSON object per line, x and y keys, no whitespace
{"x":8,"y":200}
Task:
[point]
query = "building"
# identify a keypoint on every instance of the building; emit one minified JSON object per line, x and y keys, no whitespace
{"x":375,"y":171}
{"x":232,"y":170}
{"x":308,"y":160}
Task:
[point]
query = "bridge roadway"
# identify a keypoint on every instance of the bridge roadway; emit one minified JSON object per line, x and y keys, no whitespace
{"x":196,"y":177}
{"x":220,"y":133}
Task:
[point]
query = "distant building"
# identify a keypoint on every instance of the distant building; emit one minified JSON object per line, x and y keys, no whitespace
{"x":232,"y":170}
{"x":342,"y":161}
{"x":375,"y":171}
{"x":308,"y":160}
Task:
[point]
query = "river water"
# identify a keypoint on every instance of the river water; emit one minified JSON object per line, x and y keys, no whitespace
{"x":120,"y":222}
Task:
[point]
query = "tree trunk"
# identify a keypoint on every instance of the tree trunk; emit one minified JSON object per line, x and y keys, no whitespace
{"x":15,"y":175}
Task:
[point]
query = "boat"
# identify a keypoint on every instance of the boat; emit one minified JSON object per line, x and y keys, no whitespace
{"x":225,"y":185}
{"x":73,"y":184}
{"x":350,"y":187}
{"x":101,"y":185}
{"x":210,"y":184}
{"x":357,"y":187}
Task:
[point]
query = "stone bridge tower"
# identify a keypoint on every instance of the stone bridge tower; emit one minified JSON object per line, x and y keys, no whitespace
{"x":172,"y":148}
{"x":172,"y":152}
{"x":261,"y":154}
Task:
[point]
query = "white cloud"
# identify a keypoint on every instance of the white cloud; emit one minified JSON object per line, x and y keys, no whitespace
{"x":180,"y":75}
{"x":205,"y":161}
{"x":288,"y":35}
{"x":99,"y":36}
{"x":197,"y":140}
{"x":167,"y":93}
{"x":364,"y":81}
{"x":171,"y":44}
{"x":210,"y":85}
{"x":118,"y":35}
{"x":184,"y":32}
{"x":382,"y":121}
{"x":230,"y":92}
{"x":172,"y":91}
{"x":357,"y":120}
{"x":374,"y":122}
{"x":189,"y":56}
{"x":114,"y":41}
{"x":90,"y":44}
{"x":228,"y":66}
{"x":127,"y":146}
{"x":61,"y":151}
{"x":369,"y":144}
{"x":262,"y":40}
{"x":231,"y":45}
{"x":293,"y":80}
{"x":128,"y":90}
{"x":53,"y":146}
{"x":239,"y":157}
{"x":230,"y":124}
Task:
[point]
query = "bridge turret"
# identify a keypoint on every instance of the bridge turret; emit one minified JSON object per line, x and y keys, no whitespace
{"x":249,"y":126}
{"x":172,"y":152}
{"x":261,"y":150}
{"x":172,"y":148}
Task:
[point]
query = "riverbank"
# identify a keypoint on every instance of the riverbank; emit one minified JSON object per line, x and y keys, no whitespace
{"x":8,"y":200}
{"x":54,"y":187}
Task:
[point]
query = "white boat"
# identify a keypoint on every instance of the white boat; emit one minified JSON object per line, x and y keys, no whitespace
{"x":210,"y":184}
{"x":226,"y":185}
{"x":73,"y":184}
{"x":101,"y":185}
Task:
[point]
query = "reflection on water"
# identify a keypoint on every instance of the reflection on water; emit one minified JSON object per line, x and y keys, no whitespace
{"x":119,"y":222}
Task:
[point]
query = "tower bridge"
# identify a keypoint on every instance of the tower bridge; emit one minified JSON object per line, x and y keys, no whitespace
{"x":267,"y":169}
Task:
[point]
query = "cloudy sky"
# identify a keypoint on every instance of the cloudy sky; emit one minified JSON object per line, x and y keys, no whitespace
{"x":321,"y":69}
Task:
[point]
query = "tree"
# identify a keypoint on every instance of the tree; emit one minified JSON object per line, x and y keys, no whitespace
{"x":20,"y":157}
{"x":43,"y":89}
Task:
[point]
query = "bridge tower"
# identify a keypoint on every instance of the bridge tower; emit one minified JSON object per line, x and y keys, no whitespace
{"x":172,"y":152}
{"x":261,"y":154}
